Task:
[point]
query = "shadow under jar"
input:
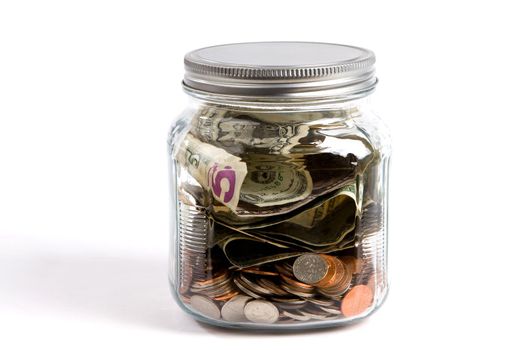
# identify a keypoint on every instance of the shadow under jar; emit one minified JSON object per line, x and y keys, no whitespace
{"x":278,"y":174}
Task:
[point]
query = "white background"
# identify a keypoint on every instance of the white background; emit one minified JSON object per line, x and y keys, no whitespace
{"x":88,"y":90}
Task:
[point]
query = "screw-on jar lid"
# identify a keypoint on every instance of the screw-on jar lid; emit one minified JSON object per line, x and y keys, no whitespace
{"x":281,"y":70}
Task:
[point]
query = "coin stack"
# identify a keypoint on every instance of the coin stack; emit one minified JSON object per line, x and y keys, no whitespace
{"x":371,"y":232}
{"x":193,"y":247}
{"x":328,"y":273}
{"x":219,"y":287}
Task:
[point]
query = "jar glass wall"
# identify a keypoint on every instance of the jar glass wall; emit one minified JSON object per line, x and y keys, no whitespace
{"x":279,"y":211}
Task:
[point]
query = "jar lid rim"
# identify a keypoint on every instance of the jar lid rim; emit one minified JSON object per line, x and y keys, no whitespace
{"x":280,"y":69}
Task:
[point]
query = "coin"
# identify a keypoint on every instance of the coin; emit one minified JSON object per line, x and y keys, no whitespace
{"x":261,"y":311}
{"x":186,"y":276}
{"x":336,"y":273}
{"x":320,"y":312}
{"x":217,"y":277}
{"x":289,"y":303}
{"x":313,"y":315}
{"x":205,"y":306}
{"x":256,"y":288}
{"x":357,"y":300}
{"x":257,"y":271}
{"x":218,"y":287}
{"x":341,"y":282}
{"x":310,"y":268}
{"x":276,"y":290}
{"x":330,"y":310}
{"x":226,"y":297}
{"x":233,"y":310}
{"x":300,"y":289}
{"x":284,"y":269}
{"x":296,"y":316}
{"x":185,"y":298}
{"x":193,"y":247}
{"x":321,"y":302}
{"x":244,"y":288}
{"x":298,"y":285}
{"x":297,"y":291}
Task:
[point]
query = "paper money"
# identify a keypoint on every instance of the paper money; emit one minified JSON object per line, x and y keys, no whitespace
{"x":256,"y":182}
{"x":312,"y":230}
{"x":317,"y":226}
{"x":214,"y":169}
{"x":290,"y":160}
{"x":273,"y":183}
{"x":245,"y":251}
{"x":312,"y":217}
{"x":319,"y":175}
{"x":238,"y":132}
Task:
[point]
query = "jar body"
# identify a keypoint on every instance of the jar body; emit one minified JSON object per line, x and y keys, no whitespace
{"x":279,"y":213}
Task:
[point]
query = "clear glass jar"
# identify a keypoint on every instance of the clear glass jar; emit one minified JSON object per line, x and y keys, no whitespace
{"x":279,"y":179}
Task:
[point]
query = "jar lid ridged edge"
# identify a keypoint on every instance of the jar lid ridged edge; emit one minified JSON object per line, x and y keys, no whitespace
{"x":219,"y":76}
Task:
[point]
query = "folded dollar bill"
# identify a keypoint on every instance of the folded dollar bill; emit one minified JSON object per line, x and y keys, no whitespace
{"x":326,"y":227}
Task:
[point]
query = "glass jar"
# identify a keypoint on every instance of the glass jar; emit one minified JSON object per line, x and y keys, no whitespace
{"x":279,"y":177}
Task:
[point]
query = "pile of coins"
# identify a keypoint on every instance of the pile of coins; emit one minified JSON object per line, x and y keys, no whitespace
{"x":310,"y":288}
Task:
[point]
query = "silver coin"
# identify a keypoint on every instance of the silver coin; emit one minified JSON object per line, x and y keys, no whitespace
{"x":321,"y":302}
{"x":255,"y":287}
{"x":289,"y":306}
{"x":312,"y":315}
{"x":290,"y":300}
{"x":289,"y":303}
{"x":261,"y":311}
{"x":205,"y":306}
{"x":240,"y":284}
{"x":276,"y":290}
{"x":284,"y":269}
{"x":332,"y":317}
{"x":296,"y":292}
{"x":233,"y":309}
{"x":310,"y":268}
{"x":330,"y":310}
{"x":335,"y":297}
{"x":296,"y":316}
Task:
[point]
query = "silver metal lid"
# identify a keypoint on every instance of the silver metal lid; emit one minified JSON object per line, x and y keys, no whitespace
{"x":281,"y":70}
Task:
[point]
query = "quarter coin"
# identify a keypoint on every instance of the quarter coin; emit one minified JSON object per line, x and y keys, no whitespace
{"x":205,"y":306}
{"x":233,"y":310}
{"x":261,"y":311}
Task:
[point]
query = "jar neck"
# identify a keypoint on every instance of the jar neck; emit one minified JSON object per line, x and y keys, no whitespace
{"x":346,"y":101}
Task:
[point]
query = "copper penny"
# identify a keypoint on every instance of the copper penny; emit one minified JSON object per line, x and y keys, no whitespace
{"x":219,"y":277}
{"x":296,"y":283}
{"x":257,"y":271}
{"x":357,"y":300}
{"x":330,"y":273}
{"x":227,"y":296}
